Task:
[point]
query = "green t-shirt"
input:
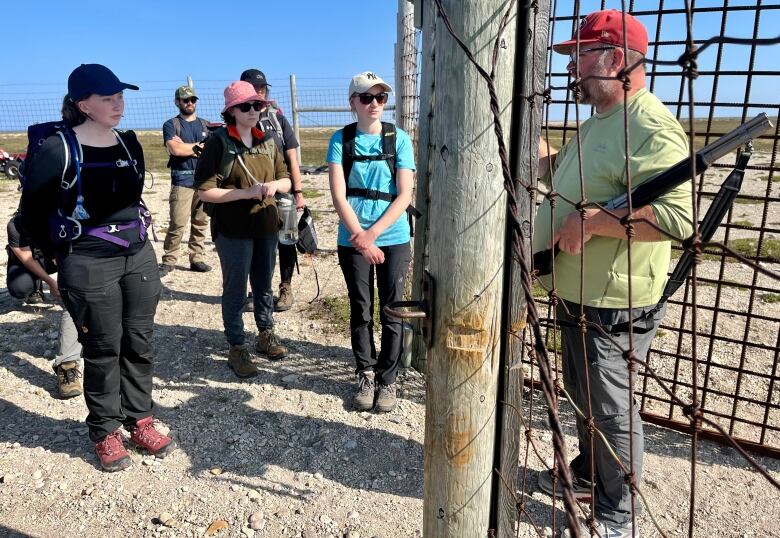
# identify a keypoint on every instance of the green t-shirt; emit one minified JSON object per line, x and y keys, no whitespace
{"x":656,"y":142}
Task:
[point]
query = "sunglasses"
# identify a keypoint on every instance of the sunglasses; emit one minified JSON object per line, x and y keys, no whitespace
{"x":244,"y":107}
{"x":188,"y":100}
{"x":366,"y":98}
{"x":573,"y":53}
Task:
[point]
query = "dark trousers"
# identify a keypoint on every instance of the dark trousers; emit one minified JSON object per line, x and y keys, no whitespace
{"x":112,"y":302}
{"x":612,"y":405}
{"x":288,"y":255}
{"x":390,"y":276}
{"x":242,"y":258}
{"x":19,"y":281}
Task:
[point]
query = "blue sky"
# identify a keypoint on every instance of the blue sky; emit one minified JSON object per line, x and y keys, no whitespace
{"x":157,"y":44}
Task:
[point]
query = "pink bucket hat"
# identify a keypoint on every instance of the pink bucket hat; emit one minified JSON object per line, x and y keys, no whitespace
{"x":239,"y":92}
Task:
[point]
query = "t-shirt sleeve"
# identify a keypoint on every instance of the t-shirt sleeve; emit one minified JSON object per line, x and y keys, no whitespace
{"x":16,"y":238}
{"x":334,"y":148}
{"x":168,"y":131}
{"x":288,"y":136}
{"x":208,"y":164}
{"x":659,"y":152}
{"x":404,"y":151}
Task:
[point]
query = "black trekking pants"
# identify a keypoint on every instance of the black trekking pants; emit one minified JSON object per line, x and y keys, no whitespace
{"x":390,"y":277}
{"x":112,"y":302}
{"x":288,"y":255}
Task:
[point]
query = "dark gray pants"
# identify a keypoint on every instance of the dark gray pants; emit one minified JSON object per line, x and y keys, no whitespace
{"x":242,"y":258}
{"x":611,"y":404}
{"x":359,"y":277}
{"x":112,"y":302}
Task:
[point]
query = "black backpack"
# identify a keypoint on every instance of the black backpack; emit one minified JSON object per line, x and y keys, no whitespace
{"x":348,"y":158}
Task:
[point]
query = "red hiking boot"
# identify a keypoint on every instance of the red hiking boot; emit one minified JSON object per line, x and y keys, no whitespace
{"x":112,"y":454}
{"x":145,"y":436}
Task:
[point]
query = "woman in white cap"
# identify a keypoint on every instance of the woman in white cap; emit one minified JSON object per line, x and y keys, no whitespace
{"x":238,"y":173}
{"x":82,"y":200}
{"x":371,"y":169}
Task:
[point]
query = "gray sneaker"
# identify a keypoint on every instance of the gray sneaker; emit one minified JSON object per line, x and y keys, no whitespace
{"x":385,"y":399}
{"x":364,"y":396}
{"x":603,"y":529}
{"x":580,"y":489}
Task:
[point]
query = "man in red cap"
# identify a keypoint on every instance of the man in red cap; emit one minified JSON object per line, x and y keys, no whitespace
{"x":614,"y":294}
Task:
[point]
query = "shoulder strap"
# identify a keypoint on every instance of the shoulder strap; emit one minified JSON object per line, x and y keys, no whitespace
{"x":177,"y":126}
{"x":348,"y":149}
{"x":228,"y":155}
{"x":388,"y":146}
{"x":204,"y":124}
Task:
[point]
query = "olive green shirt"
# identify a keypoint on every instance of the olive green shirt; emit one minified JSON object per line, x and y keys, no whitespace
{"x":656,"y":143}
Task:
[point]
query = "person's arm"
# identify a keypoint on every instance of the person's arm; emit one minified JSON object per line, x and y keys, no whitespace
{"x":547,"y":155}
{"x":404,"y":184}
{"x":295,"y":177}
{"x":281,"y":183}
{"x":599,"y":222}
{"x":178,"y":148}
{"x":25,"y":255}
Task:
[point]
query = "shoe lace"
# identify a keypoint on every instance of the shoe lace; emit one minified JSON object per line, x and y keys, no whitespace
{"x":148,"y":434}
{"x":365,"y":384}
{"x":273,"y":340}
{"x":387,"y":389}
{"x":71,"y":375}
{"x":111,"y":444}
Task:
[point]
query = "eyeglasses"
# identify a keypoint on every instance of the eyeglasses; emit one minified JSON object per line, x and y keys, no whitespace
{"x":366,"y":98}
{"x":188,"y":100}
{"x":573,"y":53}
{"x":244,"y":107}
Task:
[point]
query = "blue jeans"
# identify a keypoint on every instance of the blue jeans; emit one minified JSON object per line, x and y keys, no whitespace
{"x":242,"y":258}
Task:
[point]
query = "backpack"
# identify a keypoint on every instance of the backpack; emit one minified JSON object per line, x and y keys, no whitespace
{"x":348,"y":158}
{"x":64,"y":228}
{"x":177,"y":130}
{"x":230,"y":153}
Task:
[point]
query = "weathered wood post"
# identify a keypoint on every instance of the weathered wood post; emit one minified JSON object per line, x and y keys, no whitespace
{"x":466,"y":223}
{"x":529,"y":66}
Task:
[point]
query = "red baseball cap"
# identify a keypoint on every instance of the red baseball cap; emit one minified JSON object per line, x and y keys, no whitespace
{"x":607,"y":27}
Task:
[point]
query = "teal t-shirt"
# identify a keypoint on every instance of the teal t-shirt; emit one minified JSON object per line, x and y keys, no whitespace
{"x":374,"y":175}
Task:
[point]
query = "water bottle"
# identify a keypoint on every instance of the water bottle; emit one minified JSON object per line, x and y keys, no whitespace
{"x":288,"y":233}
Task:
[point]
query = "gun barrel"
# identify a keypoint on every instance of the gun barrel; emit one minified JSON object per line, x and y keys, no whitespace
{"x":735,"y":138}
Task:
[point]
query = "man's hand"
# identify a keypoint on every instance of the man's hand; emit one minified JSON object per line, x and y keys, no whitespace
{"x":570,"y":236}
{"x":300,"y":203}
{"x":362,"y":240}
{"x":54,"y":288}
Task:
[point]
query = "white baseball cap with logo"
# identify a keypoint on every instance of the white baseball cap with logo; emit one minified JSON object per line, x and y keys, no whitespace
{"x":362,"y":82}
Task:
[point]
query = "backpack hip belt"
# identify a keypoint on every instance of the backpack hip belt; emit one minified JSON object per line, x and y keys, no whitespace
{"x":105,"y":232}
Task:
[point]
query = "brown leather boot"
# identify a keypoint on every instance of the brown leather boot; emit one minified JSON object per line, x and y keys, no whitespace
{"x":68,"y":379}
{"x":240,"y":360}
{"x":285,"y":299}
{"x":268,"y":344}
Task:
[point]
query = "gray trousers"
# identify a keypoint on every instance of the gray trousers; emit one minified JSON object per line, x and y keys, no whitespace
{"x":68,"y":347}
{"x":611,"y":404}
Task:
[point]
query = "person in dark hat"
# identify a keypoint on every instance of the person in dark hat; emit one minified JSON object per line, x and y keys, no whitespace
{"x":273,"y":122}
{"x":87,"y":179}
{"x":618,"y":293}
{"x":183,"y":135}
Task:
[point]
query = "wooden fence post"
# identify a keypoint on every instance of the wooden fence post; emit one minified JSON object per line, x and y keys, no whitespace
{"x":466,"y":225}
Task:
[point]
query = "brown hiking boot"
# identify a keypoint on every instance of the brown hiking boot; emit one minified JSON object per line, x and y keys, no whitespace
{"x":268,"y":344}
{"x":240,"y":360}
{"x":145,"y":436}
{"x":385,"y":399}
{"x":285,"y":299}
{"x":364,"y":395}
{"x":112,"y":453}
{"x":68,"y":379}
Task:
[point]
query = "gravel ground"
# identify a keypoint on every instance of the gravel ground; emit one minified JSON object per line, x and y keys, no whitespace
{"x":280,"y":454}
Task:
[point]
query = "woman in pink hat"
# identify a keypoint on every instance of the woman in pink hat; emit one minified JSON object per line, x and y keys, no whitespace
{"x":238,"y":174}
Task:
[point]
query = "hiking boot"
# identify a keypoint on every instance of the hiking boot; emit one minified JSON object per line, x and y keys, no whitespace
{"x":145,"y":436}
{"x":35,"y":297}
{"x":112,"y":454}
{"x":200,"y":267}
{"x":249,"y":306}
{"x":385,"y":398}
{"x":364,"y":396}
{"x":285,"y":299}
{"x":604,"y":529}
{"x":165,"y":269}
{"x":580,"y":489}
{"x":68,"y":379}
{"x":240,"y":360}
{"x":268,"y":344}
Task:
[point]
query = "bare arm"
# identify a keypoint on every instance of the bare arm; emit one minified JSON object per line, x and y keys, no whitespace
{"x":404,"y":184}
{"x":178,"y":148}
{"x":338,"y":192}
{"x":547,"y":155}
{"x":599,"y":222}
{"x":295,"y":176}
{"x":25,"y":255}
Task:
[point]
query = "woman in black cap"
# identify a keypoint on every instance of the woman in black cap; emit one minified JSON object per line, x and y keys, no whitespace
{"x":82,"y":199}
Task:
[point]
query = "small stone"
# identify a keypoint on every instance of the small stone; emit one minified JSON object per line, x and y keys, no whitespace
{"x":87,"y":491}
{"x":217,"y":526}
{"x":318,"y":475}
{"x":59,"y":439}
{"x":255,"y":518}
{"x":148,"y":462}
{"x":283,"y":513}
{"x":351,"y":444}
{"x":216,"y":471}
{"x":15,"y":445}
{"x":63,"y":486}
{"x":166,"y":519}
{"x":325,"y":520}
{"x":249,"y":533}
{"x":353,"y":515}
{"x":37,"y":475}
{"x":547,"y":532}
{"x":253,"y":495}
{"x":309,"y":532}
{"x":292,"y":378}
{"x":235,"y":488}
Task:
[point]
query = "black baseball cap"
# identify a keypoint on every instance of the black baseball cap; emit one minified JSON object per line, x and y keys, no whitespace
{"x":88,"y":79}
{"x":255,"y":77}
